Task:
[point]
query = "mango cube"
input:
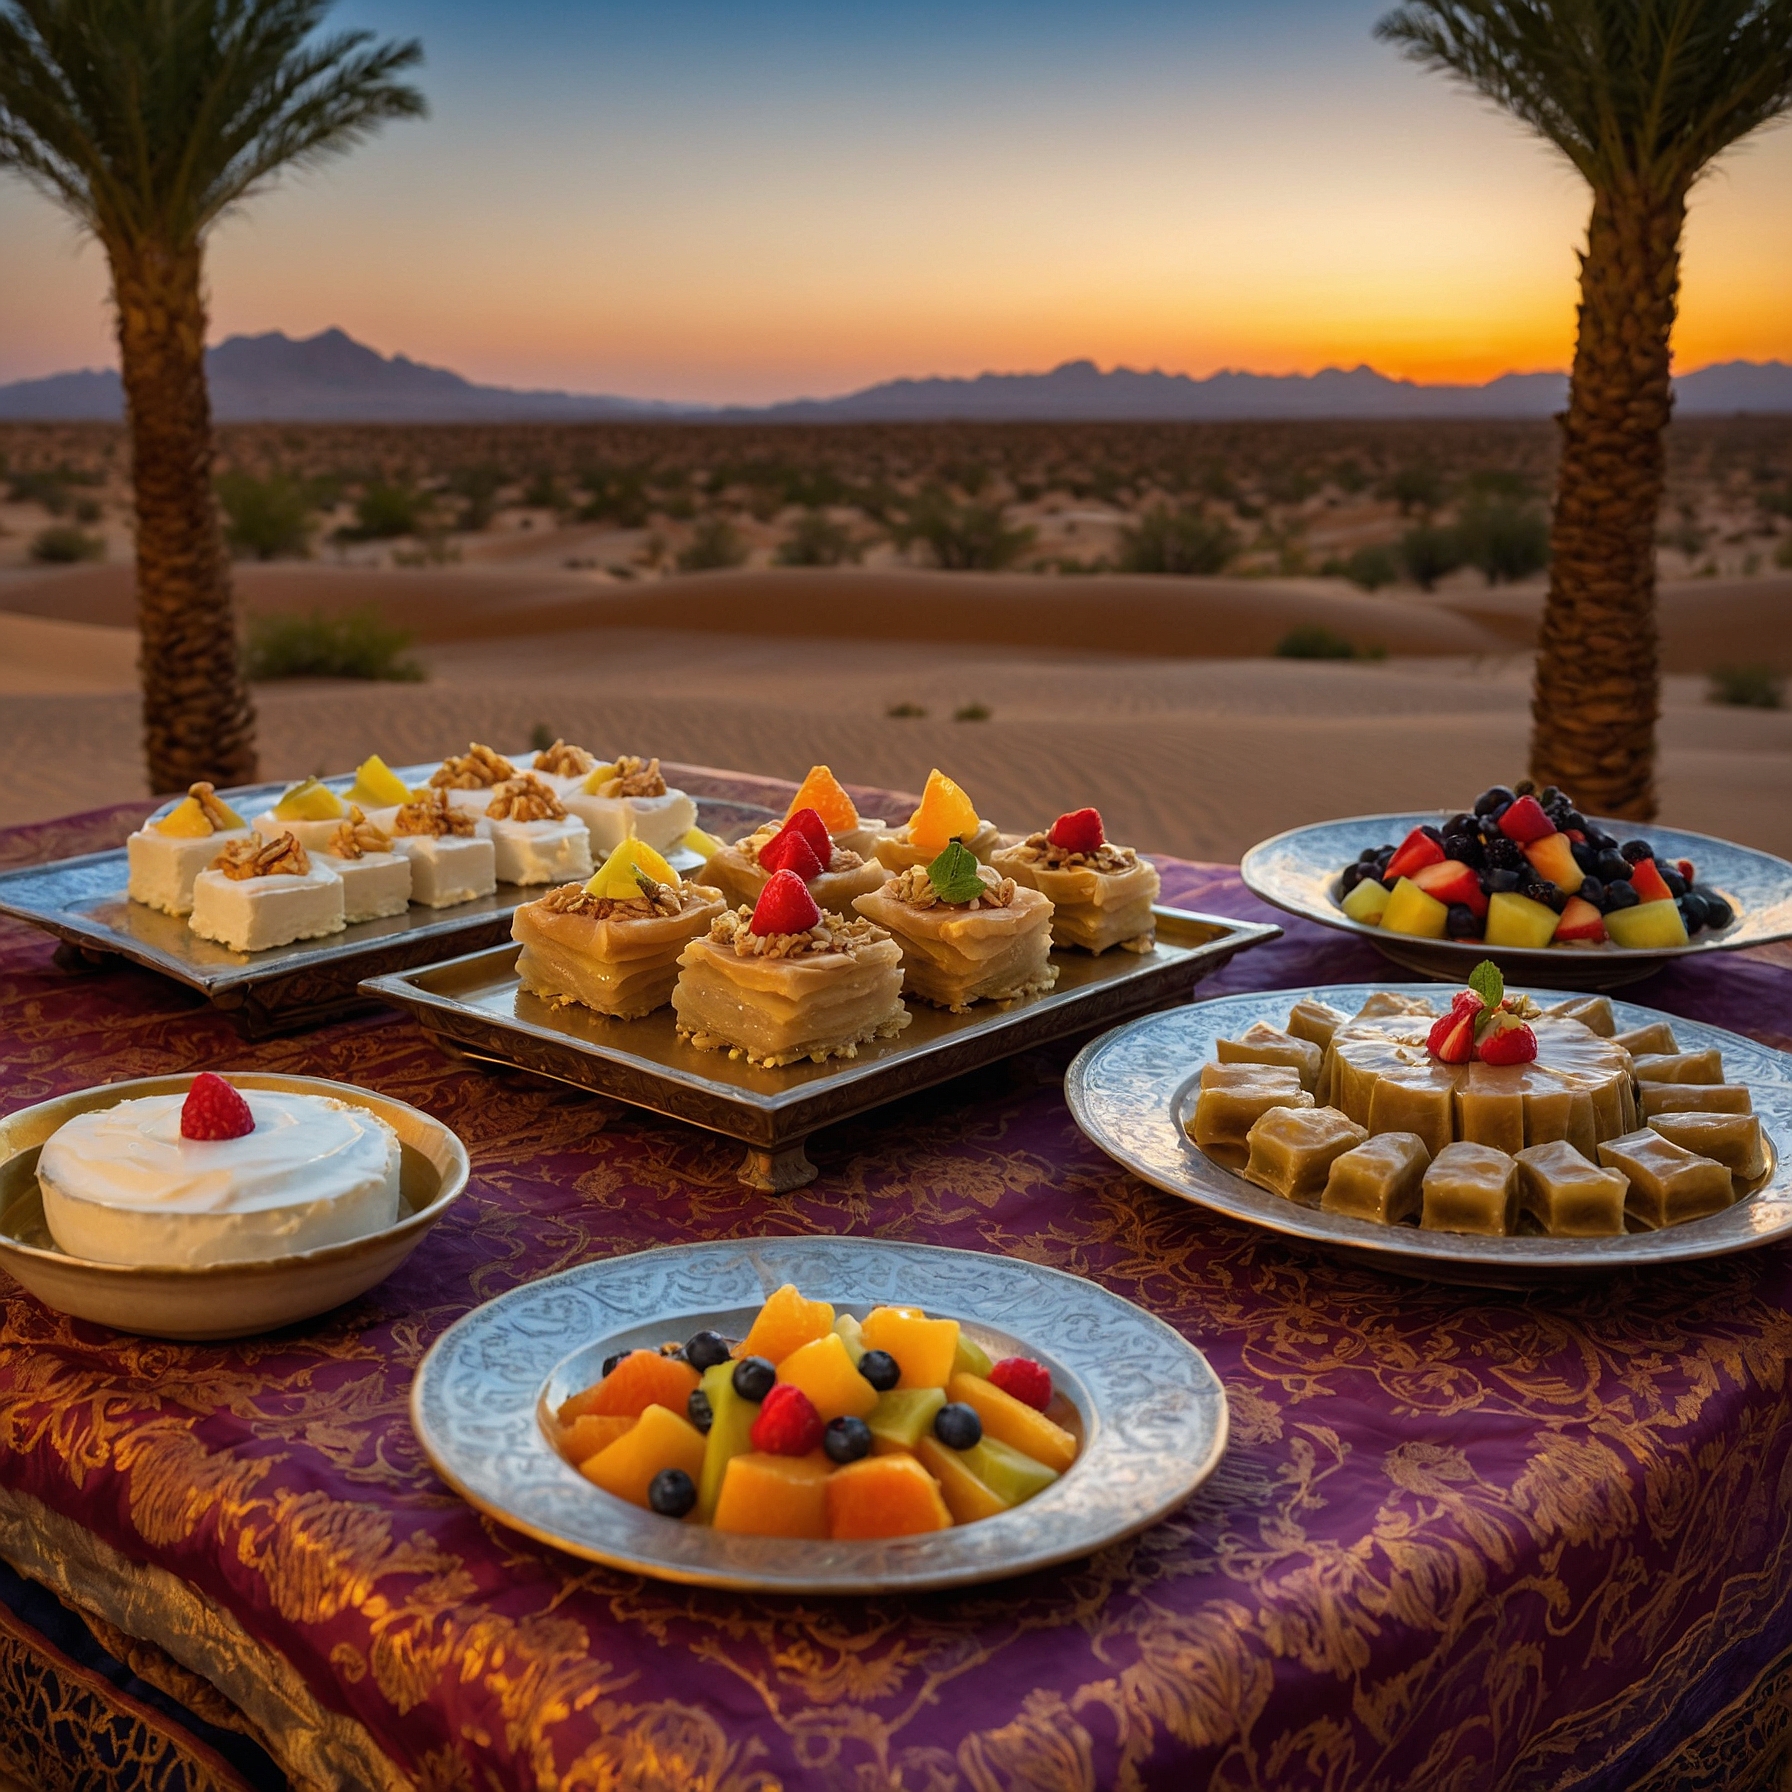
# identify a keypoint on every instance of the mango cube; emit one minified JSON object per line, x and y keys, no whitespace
{"x":1013,"y":1422}
{"x":657,"y":1440}
{"x":825,"y":1371}
{"x":1367,"y":902}
{"x":775,"y":1496}
{"x":591,"y":1432}
{"x":785,"y":1324}
{"x":967,"y":1498}
{"x":1648,"y":927}
{"x":884,"y":1496}
{"x":924,"y":1348}
{"x":1514,"y":920}
{"x":1409,"y":910}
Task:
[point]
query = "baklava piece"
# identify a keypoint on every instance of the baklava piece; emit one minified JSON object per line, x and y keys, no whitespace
{"x":1102,"y":894}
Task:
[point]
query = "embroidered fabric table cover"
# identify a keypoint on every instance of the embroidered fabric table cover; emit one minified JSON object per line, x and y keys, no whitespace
{"x":1460,"y":1539}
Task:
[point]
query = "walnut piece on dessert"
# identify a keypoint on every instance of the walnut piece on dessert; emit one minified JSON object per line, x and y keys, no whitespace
{"x":478,"y":768}
{"x":563,"y":761}
{"x":841,"y":859}
{"x":918,"y":890}
{"x":1037,"y":849}
{"x":524,"y":798}
{"x":634,"y":777}
{"x":282,"y":857}
{"x":357,"y":836}
{"x":832,"y":933}
{"x":434,"y":814}
{"x":212,"y":808}
{"x":655,"y":899}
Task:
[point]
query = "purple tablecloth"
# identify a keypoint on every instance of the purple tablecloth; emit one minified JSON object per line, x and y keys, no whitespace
{"x":1460,"y":1539}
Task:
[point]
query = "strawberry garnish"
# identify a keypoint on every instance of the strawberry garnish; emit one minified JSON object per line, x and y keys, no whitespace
{"x":784,"y":906}
{"x":1027,"y":1381}
{"x":789,"y":850}
{"x":1079,"y":831}
{"x":813,"y":829}
{"x":788,"y":1424}
{"x":214,"y":1110}
{"x":1508,"y":1041}
{"x":1452,"y":1039}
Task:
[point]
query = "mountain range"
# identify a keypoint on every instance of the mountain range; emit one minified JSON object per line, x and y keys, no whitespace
{"x":332,"y":378}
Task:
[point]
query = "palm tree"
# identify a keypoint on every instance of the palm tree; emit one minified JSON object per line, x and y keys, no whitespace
{"x":147,"y":120}
{"x":1641,"y":96}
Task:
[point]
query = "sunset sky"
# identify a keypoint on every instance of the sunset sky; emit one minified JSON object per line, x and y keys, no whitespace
{"x":697,"y":200}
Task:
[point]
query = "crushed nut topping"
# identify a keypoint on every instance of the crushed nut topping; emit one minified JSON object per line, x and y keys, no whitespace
{"x":524,"y":798}
{"x":478,"y":768}
{"x":282,"y":857}
{"x":1037,"y":849}
{"x":563,"y":761}
{"x":433,"y":814}
{"x":634,"y":777}
{"x":843,"y":858}
{"x":357,"y":836}
{"x":213,"y":810}
{"x":655,"y":899}
{"x":915,"y":888}
{"x":832,"y":933}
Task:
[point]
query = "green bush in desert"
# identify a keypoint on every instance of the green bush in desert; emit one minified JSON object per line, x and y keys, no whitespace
{"x":817,"y":540}
{"x":1416,"y":488}
{"x":1748,"y":687}
{"x":1507,"y":538}
{"x":357,"y":644}
{"x":1185,"y":541}
{"x":477,"y":487}
{"x":62,"y":544}
{"x":265,"y":519}
{"x":1372,"y":567}
{"x":615,"y":495}
{"x":715,"y":544}
{"x":1430,"y":552}
{"x":1313,"y":641}
{"x":959,"y":537}
{"x":385,"y":512}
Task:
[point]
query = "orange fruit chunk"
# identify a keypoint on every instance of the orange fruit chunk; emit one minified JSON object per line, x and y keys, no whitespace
{"x":642,"y":1379}
{"x":825,"y":1371}
{"x":585,"y":1436}
{"x":821,"y":792}
{"x":785,"y":1324}
{"x":1012,"y":1422}
{"x":925,"y":1349}
{"x":884,"y":1496}
{"x":775,"y":1496}
{"x":659,"y":1440}
{"x":945,"y":814}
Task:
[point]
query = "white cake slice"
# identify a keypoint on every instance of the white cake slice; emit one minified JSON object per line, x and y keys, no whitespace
{"x":309,"y":811}
{"x":630,"y":799}
{"x":376,"y":878}
{"x":534,"y":839}
{"x":166,"y":857}
{"x":264,"y":893}
{"x":563,"y":768}
{"x":469,"y":778}
{"x":449,"y":849}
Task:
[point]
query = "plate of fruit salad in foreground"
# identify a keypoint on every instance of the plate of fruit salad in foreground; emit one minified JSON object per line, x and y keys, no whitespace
{"x":1482,"y":1134}
{"x":819,"y":1415}
{"x":1524,"y":877}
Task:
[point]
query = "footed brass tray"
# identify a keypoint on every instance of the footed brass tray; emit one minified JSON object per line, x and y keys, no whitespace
{"x":83,"y":901}
{"x":476,"y":1008}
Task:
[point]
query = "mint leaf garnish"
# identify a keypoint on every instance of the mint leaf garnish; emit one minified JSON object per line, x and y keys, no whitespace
{"x":954,"y":874}
{"x":1485,"y":980}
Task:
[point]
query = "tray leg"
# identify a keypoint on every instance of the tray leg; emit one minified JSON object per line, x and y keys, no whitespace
{"x":777,"y":1172}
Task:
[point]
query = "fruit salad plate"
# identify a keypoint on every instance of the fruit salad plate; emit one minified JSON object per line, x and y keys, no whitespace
{"x":1133,"y":1093}
{"x":1147,"y":1409}
{"x":477,"y":1008}
{"x":83,"y":902}
{"x":1303,"y":873}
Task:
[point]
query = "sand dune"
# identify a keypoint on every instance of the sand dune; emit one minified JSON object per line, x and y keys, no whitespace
{"x":41,"y":656}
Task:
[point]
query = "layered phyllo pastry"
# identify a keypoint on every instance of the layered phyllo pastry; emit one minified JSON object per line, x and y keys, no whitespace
{"x":783,"y":981}
{"x":450,"y":850}
{"x":308,"y":810}
{"x":612,"y":944}
{"x":258,"y":893}
{"x":967,"y":934}
{"x":533,"y":838}
{"x":563,"y":767}
{"x":376,"y":876}
{"x":944,"y":814}
{"x":1102,"y":894}
{"x":166,"y":857}
{"x":824,"y":793}
{"x":630,"y":797}
{"x":469,"y":778}
{"x":835,"y":874}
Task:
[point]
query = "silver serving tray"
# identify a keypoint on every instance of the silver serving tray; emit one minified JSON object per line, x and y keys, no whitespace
{"x":1150,"y":1409}
{"x":83,"y":902}
{"x":1298,"y":871}
{"x":1131,"y":1090}
{"x":476,"y":1008}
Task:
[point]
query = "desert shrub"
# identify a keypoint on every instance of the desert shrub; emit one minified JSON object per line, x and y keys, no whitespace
{"x":1748,"y":687}
{"x":265,"y":519}
{"x":962,"y":537}
{"x":615,"y":495}
{"x":817,"y":540}
{"x":50,"y":488}
{"x":1371,"y":567}
{"x":1178,"y":541}
{"x":1290,"y":485}
{"x":1314,"y":641}
{"x":715,"y":544}
{"x":1416,"y":488}
{"x":972,"y":712}
{"x":1348,"y":477}
{"x":62,"y":544}
{"x":385,"y":512}
{"x":477,"y":487}
{"x":1429,"y":553}
{"x":543,"y":492}
{"x":357,"y":644}
{"x":1506,"y":538}
{"x":903,"y":712}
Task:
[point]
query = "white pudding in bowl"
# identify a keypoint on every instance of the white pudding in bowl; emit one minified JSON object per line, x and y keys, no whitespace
{"x":121,"y":1185}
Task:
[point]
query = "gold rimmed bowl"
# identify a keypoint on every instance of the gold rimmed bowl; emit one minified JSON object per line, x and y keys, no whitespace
{"x":218,"y":1300}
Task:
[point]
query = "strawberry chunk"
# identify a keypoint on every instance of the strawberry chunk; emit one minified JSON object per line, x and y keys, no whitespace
{"x":1079,"y":831}
{"x":214,"y":1110}
{"x":1648,"y":882}
{"x":1581,"y":921}
{"x":1508,"y":1042}
{"x":1452,"y":1039}
{"x":1525,"y":821}
{"x":813,"y":829}
{"x":1417,"y":851}
{"x":784,"y":906}
{"x":1027,"y":1381}
{"x":1451,"y":881}
{"x":1685,"y":868}
{"x":790,"y":850}
{"x":787,"y":1423}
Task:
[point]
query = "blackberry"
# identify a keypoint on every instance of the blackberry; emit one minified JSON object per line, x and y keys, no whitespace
{"x":704,"y":1350}
{"x":1506,"y":854}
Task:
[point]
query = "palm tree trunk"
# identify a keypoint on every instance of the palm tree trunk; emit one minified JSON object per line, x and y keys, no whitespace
{"x":1598,"y":684}
{"x":197,"y":719}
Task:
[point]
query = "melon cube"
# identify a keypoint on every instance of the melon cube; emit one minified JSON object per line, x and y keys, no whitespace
{"x":924,"y":1348}
{"x":885,"y":1496}
{"x":1012,"y":1422}
{"x":730,"y":1435}
{"x":775,"y":1496}
{"x":1007,"y":1472}
{"x":1648,"y":927}
{"x":658,"y":1440}
{"x":1514,"y":920}
{"x":1367,"y":902}
{"x":902,"y":1417}
{"x":825,"y":1371}
{"x":848,"y":1329}
{"x":786,"y":1323}
{"x":1411,"y":911}
{"x":966,"y":1497}
{"x":971,"y":1358}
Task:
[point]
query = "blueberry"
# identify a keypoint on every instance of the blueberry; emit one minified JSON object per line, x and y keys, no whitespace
{"x":1612,"y":865}
{"x":957,"y":1426}
{"x":1460,"y":923}
{"x":671,"y":1493}
{"x":1619,"y":894}
{"x":753,"y":1377}
{"x":1496,"y":797}
{"x":1433,"y":834}
{"x":880,"y":1369}
{"x":1597,"y":837}
{"x":1366,"y":856}
{"x":699,"y":1411}
{"x":1460,"y":824}
{"x":1353,"y":875}
{"x":1574,"y":822}
{"x":1675,"y":882}
{"x":1637,"y":850}
{"x":1593,"y":891}
{"x":846,"y":1440}
{"x":1692,"y":911}
{"x":1584,"y":856}
{"x":610,"y":1362}
{"x":1718,"y":912}
{"x":1501,"y":880}
{"x":704,"y":1350}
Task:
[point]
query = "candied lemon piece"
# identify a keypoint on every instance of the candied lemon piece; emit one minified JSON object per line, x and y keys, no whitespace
{"x":309,"y":800}
{"x":376,"y":785}
{"x":945,"y":814}
{"x":185,"y":821}
{"x":615,"y":877}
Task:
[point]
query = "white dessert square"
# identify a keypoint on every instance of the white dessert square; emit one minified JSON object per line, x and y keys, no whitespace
{"x":449,"y":868}
{"x":164,"y":867}
{"x":375,"y":884}
{"x":252,"y":914}
{"x":314,"y":836}
{"x":541,"y":852}
{"x":659,"y":821}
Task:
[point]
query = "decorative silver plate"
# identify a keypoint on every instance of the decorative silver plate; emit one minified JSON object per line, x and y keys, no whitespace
{"x":1132,"y":1089}
{"x":1151,"y":1410}
{"x":1299,"y":871}
{"x":83,"y":901}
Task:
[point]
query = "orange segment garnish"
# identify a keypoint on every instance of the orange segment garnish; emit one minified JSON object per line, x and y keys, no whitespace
{"x":945,"y":814}
{"x":821,"y":791}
